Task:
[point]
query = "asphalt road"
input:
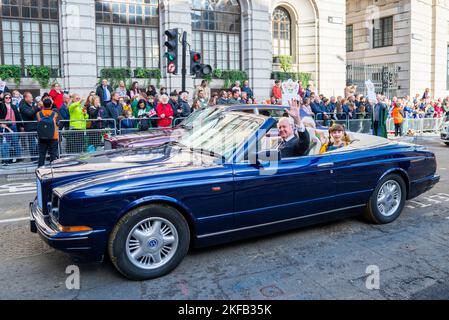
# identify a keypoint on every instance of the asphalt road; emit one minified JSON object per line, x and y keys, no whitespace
{"x":338,"y":260}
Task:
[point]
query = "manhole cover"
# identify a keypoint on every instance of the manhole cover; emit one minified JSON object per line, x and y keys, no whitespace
{"x":271,"y":291}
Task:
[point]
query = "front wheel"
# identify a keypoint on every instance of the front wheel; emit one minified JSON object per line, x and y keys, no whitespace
{"x":447,"y":143}
{"x":387,"y":201}
{"x":149,"y":242}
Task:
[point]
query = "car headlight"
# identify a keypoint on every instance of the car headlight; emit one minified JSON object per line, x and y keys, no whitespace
{"x":53,"y":208}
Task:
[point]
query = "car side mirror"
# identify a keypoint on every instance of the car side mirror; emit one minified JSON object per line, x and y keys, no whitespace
{"x":265,"y":157}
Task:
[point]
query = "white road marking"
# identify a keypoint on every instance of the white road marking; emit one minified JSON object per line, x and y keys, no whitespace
{"x":14,"y":220}
{"x":431,"y":200}
{"x":17,"y":193}
{"x":421,"y":205}
{"x":17,"y":189}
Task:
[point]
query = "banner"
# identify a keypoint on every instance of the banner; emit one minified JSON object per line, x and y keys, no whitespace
{"x":371,"y":92}
{"x":290,"y":91}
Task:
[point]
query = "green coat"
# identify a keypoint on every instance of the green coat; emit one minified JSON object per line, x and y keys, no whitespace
{"x":76,"y":113}
{"x":382,"y":128}
{"x":136,"y":110}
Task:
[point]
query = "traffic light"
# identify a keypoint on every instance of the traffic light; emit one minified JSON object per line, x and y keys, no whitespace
{"x":197,"y":68}
{"x":172,"y":50}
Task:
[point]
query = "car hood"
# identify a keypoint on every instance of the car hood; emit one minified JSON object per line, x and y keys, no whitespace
{"x":165,"y":159}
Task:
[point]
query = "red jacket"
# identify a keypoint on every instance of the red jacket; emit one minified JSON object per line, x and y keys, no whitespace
{"x":58,"y":98}
{"x":167,"y":110}
{"x":277,"y":92}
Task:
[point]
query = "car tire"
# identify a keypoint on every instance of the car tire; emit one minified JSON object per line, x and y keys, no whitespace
{"x":149,"y":242}
{"x":446,"y":143}
{"x":387,"y":201}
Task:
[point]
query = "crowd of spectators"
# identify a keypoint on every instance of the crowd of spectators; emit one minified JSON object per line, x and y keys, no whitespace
{"x":133,"y":108}
{"x":357,"y":106}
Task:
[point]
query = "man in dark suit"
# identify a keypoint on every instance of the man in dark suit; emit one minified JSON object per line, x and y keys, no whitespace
{"x":28,"y":111}
{"x":104,"y":91}
{"x":295,"y":138}
{"x":114,"y":110}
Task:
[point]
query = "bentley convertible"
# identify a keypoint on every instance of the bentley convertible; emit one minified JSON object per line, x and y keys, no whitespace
{"x":144,"y":207}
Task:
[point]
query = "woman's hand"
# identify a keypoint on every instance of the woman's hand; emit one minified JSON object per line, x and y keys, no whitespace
{"x":322,"y":138}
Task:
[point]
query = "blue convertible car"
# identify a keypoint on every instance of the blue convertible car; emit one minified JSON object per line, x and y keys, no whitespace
{"x":145,"y":207}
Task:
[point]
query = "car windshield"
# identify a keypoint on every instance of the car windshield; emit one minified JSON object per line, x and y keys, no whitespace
{"x":198,"y":118}
{"x":224,"y":134}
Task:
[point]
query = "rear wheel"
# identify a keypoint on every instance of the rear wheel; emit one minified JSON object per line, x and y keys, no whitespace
{"x":447,"y":143}
{"x":149,"y":242}
{"x":387,"y":201}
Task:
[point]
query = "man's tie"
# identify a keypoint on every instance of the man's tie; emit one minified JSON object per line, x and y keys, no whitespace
{"x":105,"y":94}
{"x":282,"y":144}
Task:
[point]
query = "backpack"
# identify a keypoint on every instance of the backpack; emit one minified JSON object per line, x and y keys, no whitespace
{"x":46,"y":126}
{"x":144,"y":124}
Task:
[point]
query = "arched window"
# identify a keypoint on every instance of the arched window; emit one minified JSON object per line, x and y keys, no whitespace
{"x":216,"y":27}
{"x":127,"y":33}
{"x":29,"y":34}
{"x":281,"y":32}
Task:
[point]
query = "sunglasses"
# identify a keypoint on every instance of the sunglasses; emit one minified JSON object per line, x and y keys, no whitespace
{"x":8,"y":97}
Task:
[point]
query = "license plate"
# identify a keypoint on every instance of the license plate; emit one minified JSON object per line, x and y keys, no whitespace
{"x":39,"y":193}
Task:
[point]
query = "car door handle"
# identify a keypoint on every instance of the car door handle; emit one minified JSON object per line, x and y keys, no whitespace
{"x":325,"y":165}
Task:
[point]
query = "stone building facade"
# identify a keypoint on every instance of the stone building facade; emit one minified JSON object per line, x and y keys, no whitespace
{"x":79,"y":37}
{"x":410,"y":37}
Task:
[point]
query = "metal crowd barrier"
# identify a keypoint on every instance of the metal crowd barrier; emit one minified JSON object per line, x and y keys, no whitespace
{"x":18,"y":143}
{"x":132,"y":125}
{"x":24,"y":145}
{"x":89,"y":137}
{"x":418,"y":125}
{"x":360,"y":123}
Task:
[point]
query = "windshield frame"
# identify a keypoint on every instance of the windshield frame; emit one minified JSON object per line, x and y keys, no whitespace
{"x":197,"y":140}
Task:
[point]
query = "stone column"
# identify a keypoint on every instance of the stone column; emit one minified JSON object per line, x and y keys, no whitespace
{"x":78,"y":45}
{"x":256,"y":39}
{"x":440,"y":48}
{"x":332,"y":47}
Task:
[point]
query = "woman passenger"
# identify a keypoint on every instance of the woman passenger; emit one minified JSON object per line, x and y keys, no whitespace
{"x":338,"y":138}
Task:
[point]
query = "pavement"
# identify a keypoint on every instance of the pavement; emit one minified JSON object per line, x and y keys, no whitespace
{"x":348,"y":259}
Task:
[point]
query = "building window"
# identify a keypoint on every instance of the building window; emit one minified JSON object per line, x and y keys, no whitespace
{"x":349,"y":38}
{"x":383,"y":32}
{"x":216,"y":28}
{"x":29,"y":34}
{"x":281,"y":32}
{"x":127,"y":34}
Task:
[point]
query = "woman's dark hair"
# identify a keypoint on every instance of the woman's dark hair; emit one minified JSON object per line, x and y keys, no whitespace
{"x":339,"y":127}
{"x":142,"y":101}
{"x":133,"y":86}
